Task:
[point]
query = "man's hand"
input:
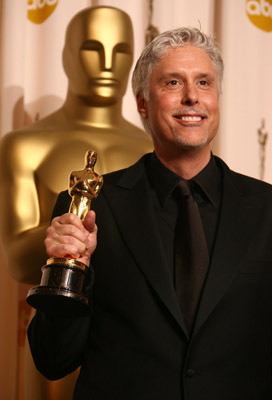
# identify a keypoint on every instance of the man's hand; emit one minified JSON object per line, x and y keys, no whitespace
{"x":68,"y":236}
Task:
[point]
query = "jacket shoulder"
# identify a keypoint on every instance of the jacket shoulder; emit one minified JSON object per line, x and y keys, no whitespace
{"x":243,"y":183}
{"x":127,"y":176}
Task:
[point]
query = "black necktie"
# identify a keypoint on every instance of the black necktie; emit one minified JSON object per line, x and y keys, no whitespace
{"x":191,"y":254}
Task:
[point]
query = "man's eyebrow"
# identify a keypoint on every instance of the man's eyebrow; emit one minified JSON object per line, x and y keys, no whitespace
{"x":168,"y":75}
{"x":206,"y":75}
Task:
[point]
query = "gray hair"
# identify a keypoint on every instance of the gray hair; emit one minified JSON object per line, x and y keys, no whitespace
{"x":173,"y":39}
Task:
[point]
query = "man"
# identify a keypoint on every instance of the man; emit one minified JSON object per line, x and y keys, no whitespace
{"x":139,"y":342}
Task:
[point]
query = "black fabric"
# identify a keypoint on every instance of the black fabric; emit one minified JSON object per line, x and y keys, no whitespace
{"x":135,"y":345}
{"x":191,"y":253}
{"x":207,"y":193}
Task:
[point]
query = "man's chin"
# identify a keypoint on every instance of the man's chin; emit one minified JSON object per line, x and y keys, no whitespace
{"x":190,"y":143}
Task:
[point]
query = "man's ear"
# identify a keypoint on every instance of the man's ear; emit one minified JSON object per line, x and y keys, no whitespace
{"x":141,"y":105}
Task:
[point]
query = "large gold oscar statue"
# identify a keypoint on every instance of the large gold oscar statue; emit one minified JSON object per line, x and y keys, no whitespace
{"x":35,"y":162}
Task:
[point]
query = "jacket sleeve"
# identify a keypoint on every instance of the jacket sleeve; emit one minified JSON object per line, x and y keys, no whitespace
{"x":57,"y":343}
{"x":62,"y":204}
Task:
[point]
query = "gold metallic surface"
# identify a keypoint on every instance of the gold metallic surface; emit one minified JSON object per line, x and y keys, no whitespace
{"x":35,"y":162}
{"x":84,"y":185}
{"x":67,"y":261}
{"x":65,"y":276}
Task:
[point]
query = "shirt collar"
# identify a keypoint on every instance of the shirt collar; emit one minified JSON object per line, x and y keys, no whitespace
{"x":209,"y":181}
{"x":161,"y":178}
{"x":206,"y":182}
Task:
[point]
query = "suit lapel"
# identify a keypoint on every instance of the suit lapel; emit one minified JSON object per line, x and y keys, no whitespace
{"x":132,"y":209}
{"x":237,"y":219}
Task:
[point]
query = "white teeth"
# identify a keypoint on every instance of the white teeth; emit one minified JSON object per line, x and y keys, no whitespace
{"x":190,"y":118}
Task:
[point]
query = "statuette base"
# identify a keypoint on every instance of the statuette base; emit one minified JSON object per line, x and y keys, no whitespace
{"x":63,"y":288}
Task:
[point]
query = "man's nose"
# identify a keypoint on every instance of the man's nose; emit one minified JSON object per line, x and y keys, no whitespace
{"x":189,"y":94}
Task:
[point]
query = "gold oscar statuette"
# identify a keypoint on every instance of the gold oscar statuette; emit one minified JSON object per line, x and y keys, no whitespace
{"x":65,"y":281}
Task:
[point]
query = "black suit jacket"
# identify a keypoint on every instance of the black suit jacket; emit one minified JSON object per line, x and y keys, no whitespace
{"x":135,"y":345}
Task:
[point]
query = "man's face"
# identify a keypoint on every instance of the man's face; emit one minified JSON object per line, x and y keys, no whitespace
{"x":182,"y":109}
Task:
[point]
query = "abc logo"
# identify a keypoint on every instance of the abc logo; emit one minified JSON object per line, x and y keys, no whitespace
{"x":260,"y":13}
{"x":39,"y":10}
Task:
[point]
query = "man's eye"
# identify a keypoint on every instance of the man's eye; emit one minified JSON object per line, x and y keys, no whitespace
{"x":204,"y":83}
{"x":173,"y":82}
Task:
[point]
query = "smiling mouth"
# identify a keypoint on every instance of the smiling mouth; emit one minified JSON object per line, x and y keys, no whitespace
{"x":189,"y":118}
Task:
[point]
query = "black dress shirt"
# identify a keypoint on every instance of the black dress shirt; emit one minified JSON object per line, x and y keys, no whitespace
{"x":206,"y":191}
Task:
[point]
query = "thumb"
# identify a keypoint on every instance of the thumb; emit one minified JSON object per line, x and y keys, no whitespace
{"x":89,"y":221}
